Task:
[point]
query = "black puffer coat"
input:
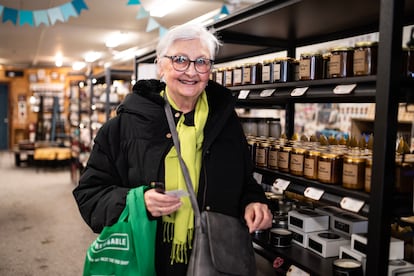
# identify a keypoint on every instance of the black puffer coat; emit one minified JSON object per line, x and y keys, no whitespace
{"x":129,"y":151}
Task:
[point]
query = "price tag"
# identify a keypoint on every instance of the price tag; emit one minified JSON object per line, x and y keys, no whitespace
{"x":313,"y":193}
{"x":344,"y":89}
{"x":258,"y":177}
{"x":299,"y":91}
{"x":243,"y":94}
{"x":296,"y":271}
{"x":267,"y":92}
{"x":281,"y":184}
{"x":351,"y":204}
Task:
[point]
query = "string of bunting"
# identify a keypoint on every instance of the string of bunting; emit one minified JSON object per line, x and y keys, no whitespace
{"x":153,"y":24}
{"x":47,"y":17}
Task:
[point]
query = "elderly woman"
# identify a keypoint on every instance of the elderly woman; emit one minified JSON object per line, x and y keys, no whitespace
{"x":135,"y":148}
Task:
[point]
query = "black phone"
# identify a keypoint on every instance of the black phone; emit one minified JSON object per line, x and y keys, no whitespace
{"x":158,"y":186}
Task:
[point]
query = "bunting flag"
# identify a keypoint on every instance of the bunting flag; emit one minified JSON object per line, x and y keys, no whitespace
{"x":47,"y":17}
{"x":133,"y":2}
{"x":142,"y":13}
{"x":152,"y":24}
{"x":224,"y":10}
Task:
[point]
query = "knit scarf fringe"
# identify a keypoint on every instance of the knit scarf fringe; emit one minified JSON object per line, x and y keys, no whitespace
{"x":179,"y":250}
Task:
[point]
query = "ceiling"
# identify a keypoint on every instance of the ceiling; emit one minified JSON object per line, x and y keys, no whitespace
{"x":37,"y":45}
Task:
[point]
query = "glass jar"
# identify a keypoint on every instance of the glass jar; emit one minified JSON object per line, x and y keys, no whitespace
{"x":368,"y":173}
{"x":237,"y":75}
{"x":275,"y":128}
{"x":353,"y":172}
{"x":219,"y":76}
{"x":283,"y":70}
{"x":297,"y":160}
{"x":267,"y":69}
{"x":283,"y":158}
{"x":262,"y":154}
{"x":341,"y":62}
{"x":365,"y":58}
{"x":310,"y":66}
{"x":330,"y":168}
{"x":263,"y":127}
{"x":408,"y":62}
{"x":228,"y":77}
{"x":310,"y":164}
{"x":252,"y":144}
{"x":272,"y":156}
{"x":326,"y":58}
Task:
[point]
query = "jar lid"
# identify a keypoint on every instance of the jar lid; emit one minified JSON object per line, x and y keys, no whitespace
{"x":366,"y":44}
{"x":342,"y":49}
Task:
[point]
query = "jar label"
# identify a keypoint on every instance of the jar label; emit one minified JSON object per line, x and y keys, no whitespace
{"x":247,"y":75}
{"x":276,"y":71}
{"x":335,"y":65}
{"x":350,"y":174}
{"x":304,"y":69}
{"x":219,"y":78}
{"x":272,"y":160}
{"x":309,"y":168}
{"x":228,"y":78}
{"x":283,"y":160}
{"x":324,"y":171}
{"x":360,"y":61}
{"x":261,"y":157}
{"x":368,"y":172}
{"x":296,"y":162}
{"x":237,"y":76}
{"x":266,"y":73}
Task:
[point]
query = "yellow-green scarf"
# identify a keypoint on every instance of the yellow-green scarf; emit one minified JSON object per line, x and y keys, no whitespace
{"x":179,"y":226}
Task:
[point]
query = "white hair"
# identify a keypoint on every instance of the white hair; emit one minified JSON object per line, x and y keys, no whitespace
{"x":187,"y":32}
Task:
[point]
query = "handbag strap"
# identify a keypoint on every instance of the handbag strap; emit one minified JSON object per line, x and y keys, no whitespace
{"x":188,"y":182}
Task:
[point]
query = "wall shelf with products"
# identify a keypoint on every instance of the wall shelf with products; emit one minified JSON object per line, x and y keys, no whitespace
{"x":284,"y":25}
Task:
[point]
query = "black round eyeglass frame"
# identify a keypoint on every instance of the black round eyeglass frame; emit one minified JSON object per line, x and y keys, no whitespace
{"x":196,"y":65}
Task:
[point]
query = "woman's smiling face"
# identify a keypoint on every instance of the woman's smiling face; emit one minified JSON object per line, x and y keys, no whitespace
{"x":185,"y":87}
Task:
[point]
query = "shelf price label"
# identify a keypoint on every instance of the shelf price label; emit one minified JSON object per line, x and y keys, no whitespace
{"x":258,"y":177}
{"x":299,"y":91}
{"x":267,"y":93}
{"x":344,"y":88}
{"x":243,"y":94}
{"x":351,"y":204}
{"x":313,"y":193}
{"x":280,"y":185}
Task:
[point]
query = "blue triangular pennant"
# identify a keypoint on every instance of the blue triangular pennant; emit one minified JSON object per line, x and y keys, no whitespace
{"x":224,"y":10}
{"x":67,"y":11}
{"x":1,"y":9}
{"x":25,"y":17}
{"x":54,"y":15}
{"x":79,"y":5}
{"x":152,"y":24}
{"x":162,"y":31}
{"x":133,"y":2}
{"x":9,"y":14}
{"x":142,"y":13}
{"x":40,"y":17}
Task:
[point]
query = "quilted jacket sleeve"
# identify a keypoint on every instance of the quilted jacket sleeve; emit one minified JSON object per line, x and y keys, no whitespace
{"x":101,"y":193}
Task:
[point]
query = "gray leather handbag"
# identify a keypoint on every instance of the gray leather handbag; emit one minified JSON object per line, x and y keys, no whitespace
{"x":222,"y":244}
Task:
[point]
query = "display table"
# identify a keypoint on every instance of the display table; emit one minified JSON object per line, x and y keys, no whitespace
{"x":52,"y":156}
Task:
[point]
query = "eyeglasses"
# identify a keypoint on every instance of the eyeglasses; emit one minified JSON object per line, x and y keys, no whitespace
{"x":181,"y":63}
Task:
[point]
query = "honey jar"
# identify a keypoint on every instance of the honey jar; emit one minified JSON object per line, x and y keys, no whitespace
{"x":368,"y":173}
{"x":267,"y":71}
{"x":262,"y":154}
{"x":252,"y":73}
{"x":237,"y":75}
{"x":353,"y":172}
{"x":341,"y":62}
{"x":272,"y":156}
{"x":252,"y":144}
{"x":365,"y":58}
{"x":310,"y":166}
{"x":219,"y":76}
{"x":297,"y":160}
{"x":310,"y":66}
{"x":228,"y":77}
{"x":283,"y":158}
{"x":330,"y":168}
{"x":283,"y":70}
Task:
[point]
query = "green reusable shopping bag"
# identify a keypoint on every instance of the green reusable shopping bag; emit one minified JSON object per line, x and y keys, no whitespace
{"x":128,"y":246}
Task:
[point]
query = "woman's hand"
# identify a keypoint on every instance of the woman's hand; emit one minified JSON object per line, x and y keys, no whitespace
{"x":159,"y":204}
{"x":258,"y":216}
